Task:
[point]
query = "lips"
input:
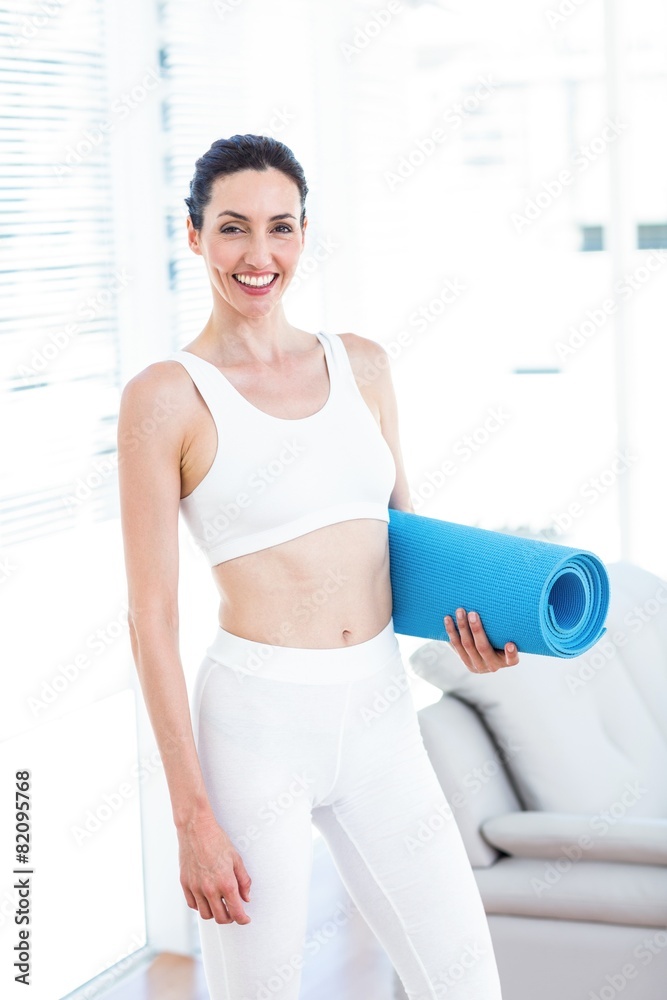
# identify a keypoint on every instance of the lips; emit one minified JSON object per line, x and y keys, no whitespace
{"x":254,"y":291}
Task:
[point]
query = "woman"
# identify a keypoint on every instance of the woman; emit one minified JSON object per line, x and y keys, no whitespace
{"x":284,"y":460}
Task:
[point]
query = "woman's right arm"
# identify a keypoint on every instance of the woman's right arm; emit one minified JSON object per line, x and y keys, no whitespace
{"x":155,"y":408}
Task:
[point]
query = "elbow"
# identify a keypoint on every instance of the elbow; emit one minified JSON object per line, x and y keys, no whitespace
{"x":403,"y":502}
{"x":147,"y":624}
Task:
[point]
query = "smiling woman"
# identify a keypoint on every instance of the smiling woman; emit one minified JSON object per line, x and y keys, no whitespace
{"x":240,"y":251}
{"x":284,"y":460}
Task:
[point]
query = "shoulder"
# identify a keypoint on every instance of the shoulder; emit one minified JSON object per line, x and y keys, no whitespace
{"x":157,"y":379}
{"x":161,"y":395}
{"x":368,"y":358}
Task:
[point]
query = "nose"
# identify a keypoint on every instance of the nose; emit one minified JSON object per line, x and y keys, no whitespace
{"x":257,"y":252}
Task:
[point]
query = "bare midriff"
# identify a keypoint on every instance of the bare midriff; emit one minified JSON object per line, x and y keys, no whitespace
{"x":330,"y":587}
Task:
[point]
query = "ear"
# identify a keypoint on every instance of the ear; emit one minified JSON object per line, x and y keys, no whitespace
{"x":193,"y":237}
{"x":303,"y":232}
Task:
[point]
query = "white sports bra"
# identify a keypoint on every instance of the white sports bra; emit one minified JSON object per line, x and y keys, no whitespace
{"x":275,"y":478}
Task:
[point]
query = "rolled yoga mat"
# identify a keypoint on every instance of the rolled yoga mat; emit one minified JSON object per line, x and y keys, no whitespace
{"x":547,"y":598}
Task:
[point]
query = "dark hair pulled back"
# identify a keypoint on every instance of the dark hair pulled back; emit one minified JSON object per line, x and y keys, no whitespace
{"x":241,"y":152}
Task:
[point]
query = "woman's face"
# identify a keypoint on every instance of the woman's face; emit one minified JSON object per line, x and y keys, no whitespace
{"x":251,"y":235}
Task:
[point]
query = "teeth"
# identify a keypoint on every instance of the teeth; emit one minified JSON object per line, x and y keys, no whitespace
{"x":245,"y":279}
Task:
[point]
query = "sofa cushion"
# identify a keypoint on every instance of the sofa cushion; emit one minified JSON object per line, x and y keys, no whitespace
{"x":470,"y":770}
{"x":586,"y":890}
{"x":561,"y":835}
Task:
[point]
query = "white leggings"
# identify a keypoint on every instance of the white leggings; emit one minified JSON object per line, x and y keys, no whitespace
{"x":290,"y":736}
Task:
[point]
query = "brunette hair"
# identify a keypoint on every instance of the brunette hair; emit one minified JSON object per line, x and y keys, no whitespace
{"x":241,"y":152}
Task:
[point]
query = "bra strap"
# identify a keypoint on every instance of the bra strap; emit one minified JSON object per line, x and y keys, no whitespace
{"x":204,"y":379}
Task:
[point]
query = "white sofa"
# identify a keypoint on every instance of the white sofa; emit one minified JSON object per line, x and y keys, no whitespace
{"x":557,"y":774}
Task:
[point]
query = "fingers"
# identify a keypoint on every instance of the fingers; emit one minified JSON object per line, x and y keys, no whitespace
{"x":243,"y":879}
{"x":220,"y":902}
{"x":231,"y":904}
{"x":511,"y":655}
{"x":189,"y":898}
{"x":202,"y":905}
{"x":455,"y":640}
{"x":464,"y":644}
{"x":469,"y":641}
{"x":473,"y":646}
{"x":487,"y":658}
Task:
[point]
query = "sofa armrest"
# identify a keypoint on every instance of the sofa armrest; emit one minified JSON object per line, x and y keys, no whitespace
{"x":595,"y":838}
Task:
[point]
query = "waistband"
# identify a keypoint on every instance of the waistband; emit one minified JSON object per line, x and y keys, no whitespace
{"x":305,"y":665}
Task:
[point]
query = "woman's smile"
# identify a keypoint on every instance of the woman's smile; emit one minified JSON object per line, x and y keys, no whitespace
{"x":256,"y":284}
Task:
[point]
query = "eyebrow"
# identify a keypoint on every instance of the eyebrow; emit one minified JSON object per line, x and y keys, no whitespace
{"x":237,"y":215}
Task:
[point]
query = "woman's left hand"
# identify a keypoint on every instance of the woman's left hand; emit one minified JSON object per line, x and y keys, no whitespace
{"x":472,"y":645}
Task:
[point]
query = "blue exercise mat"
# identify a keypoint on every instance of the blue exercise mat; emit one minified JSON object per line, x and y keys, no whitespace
{"x":547,"y":598}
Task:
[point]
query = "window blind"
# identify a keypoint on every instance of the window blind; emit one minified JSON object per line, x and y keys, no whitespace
{"x":58,"y":279}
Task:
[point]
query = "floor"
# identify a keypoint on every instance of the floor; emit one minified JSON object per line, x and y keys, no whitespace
{"x":177,"y":977}
{"x":169,"y":977}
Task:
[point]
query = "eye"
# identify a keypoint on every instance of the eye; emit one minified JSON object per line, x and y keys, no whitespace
{"x":283,"y":225}
{"x":228,"y":229}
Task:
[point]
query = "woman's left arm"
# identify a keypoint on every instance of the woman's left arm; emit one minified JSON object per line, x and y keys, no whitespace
{"x":370,"y":364}
{"x":469,"y":640}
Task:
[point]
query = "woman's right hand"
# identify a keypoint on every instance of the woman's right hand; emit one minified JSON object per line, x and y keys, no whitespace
{"x":212,"y":868}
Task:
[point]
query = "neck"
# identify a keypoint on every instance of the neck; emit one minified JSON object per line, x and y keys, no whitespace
{"x":233,"y":338}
